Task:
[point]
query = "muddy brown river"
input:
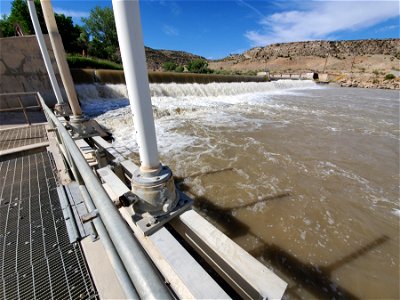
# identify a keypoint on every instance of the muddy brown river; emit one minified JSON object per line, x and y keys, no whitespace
{"x":304,"y":177}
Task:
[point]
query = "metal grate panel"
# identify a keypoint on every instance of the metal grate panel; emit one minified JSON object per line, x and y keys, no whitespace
{"x":37,"y":260}
{"x":18,"y":137}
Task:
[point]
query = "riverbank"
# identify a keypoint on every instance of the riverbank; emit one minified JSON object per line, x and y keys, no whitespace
{"x":369,"y":81}
{"x":88,"y":76}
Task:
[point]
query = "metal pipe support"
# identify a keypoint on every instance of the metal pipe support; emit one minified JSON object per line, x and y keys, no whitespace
{"x":144,"y":276}
{"x":115,"y":260}
{"x":45,"y":53}
{"x":59,"y":54}
{"x":129,"y":30}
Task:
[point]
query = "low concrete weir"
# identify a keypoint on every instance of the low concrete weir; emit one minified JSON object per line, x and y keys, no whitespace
{"x":81,"y":76}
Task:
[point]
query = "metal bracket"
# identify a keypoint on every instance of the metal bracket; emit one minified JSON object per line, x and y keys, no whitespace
{"x":128,"y":199}
{"x":149,"y":224}
{"x":90,"y":216}
{"x":81,"y":127}
{"x":62,"y":109}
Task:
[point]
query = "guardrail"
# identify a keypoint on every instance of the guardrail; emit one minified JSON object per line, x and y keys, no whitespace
{"x":22,"y":107}
{"x":136,"y":273}
{"x":142,"y":273}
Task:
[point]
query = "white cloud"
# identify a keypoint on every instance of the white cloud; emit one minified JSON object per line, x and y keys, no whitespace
{"x":170,"y":30}
{"x":321,"y":20}
{"x":72,"y":13}
{"x":173,"y":6}
{"x":251,"y":7}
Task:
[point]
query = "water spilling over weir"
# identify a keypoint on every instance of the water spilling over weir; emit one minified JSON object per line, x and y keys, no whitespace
{"x":304,"y":178}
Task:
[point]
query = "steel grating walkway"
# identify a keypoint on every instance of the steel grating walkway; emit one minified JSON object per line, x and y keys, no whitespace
{"x":22,"y":136}
{"x":37,"y":259}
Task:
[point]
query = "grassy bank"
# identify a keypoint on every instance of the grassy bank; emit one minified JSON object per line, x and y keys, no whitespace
{"x":82,"y":62}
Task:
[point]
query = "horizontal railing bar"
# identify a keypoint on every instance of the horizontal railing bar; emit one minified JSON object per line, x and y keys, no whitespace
{"x":18,"y":108}
{"x":143,"y":274}
{"x":18,"y":94}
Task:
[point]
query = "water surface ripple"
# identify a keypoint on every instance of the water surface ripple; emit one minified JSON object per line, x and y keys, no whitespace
{"x":304,"y":178}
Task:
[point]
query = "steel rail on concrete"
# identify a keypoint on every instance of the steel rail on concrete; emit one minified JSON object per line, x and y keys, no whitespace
{"x":143,"y":274}
{"x":116,"y":262}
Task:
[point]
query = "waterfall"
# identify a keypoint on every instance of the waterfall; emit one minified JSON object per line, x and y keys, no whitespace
{"x":224,"y":89}
{"x":110,"y":91}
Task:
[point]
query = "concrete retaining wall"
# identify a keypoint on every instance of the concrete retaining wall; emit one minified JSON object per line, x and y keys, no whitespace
{"x":22,"y":68}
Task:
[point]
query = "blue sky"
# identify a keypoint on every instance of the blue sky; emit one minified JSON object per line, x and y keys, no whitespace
{"x":215,"y":29}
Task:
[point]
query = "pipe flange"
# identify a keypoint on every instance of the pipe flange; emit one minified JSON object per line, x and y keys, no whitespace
{"x":141,"y":178}
{"x":157,"y":194}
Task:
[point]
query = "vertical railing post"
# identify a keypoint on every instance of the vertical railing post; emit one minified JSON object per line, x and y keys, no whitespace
{"x":23,"y":110}
{"x":38,"y":102}
{"x":45,"y":53}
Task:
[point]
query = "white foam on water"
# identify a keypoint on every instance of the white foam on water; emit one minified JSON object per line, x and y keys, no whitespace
{"x":396,"y":212}
{"x":226,"y":89}
{"x":176,"y":105}
{"x":208,"y":110}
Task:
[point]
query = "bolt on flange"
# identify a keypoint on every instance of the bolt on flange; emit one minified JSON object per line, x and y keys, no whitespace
{"x":157,"y":193}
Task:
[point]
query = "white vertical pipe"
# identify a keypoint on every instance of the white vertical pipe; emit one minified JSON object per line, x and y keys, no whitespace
{"x":129,"y":30}
{"x":45,"y":53}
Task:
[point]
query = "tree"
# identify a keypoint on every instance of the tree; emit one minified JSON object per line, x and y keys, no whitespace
{"x":20,"y":16}
{"x":83,"y":41}
{"x":198,"y":66}
{"x":100,"y":26}
{"x":6,"y":28}
{"x":69,"y":32}
{"x":169,"y":66}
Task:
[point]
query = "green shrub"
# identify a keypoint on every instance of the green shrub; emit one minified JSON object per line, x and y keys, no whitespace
{"x":169,"y":66}
{"x":389,"y":77}
{"x":81,"y":62}
{"x":179,"y":69}
{"x":198,"y":66}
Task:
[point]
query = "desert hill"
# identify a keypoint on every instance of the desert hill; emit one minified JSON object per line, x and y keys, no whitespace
{"x":356,"y":63}
{"x":329,"y":56}
{"x":363,"y":63}
{"x":156,"y":58}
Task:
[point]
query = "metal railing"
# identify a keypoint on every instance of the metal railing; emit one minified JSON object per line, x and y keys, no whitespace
{"x":136,"y":273}
{"x":21,"y":105}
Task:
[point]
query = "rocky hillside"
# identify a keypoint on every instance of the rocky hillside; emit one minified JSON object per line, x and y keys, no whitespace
{"x":343,"y":61}
{"x":337,"y":49}
{"x":156,"y":58}
{"x":328,"y":56}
